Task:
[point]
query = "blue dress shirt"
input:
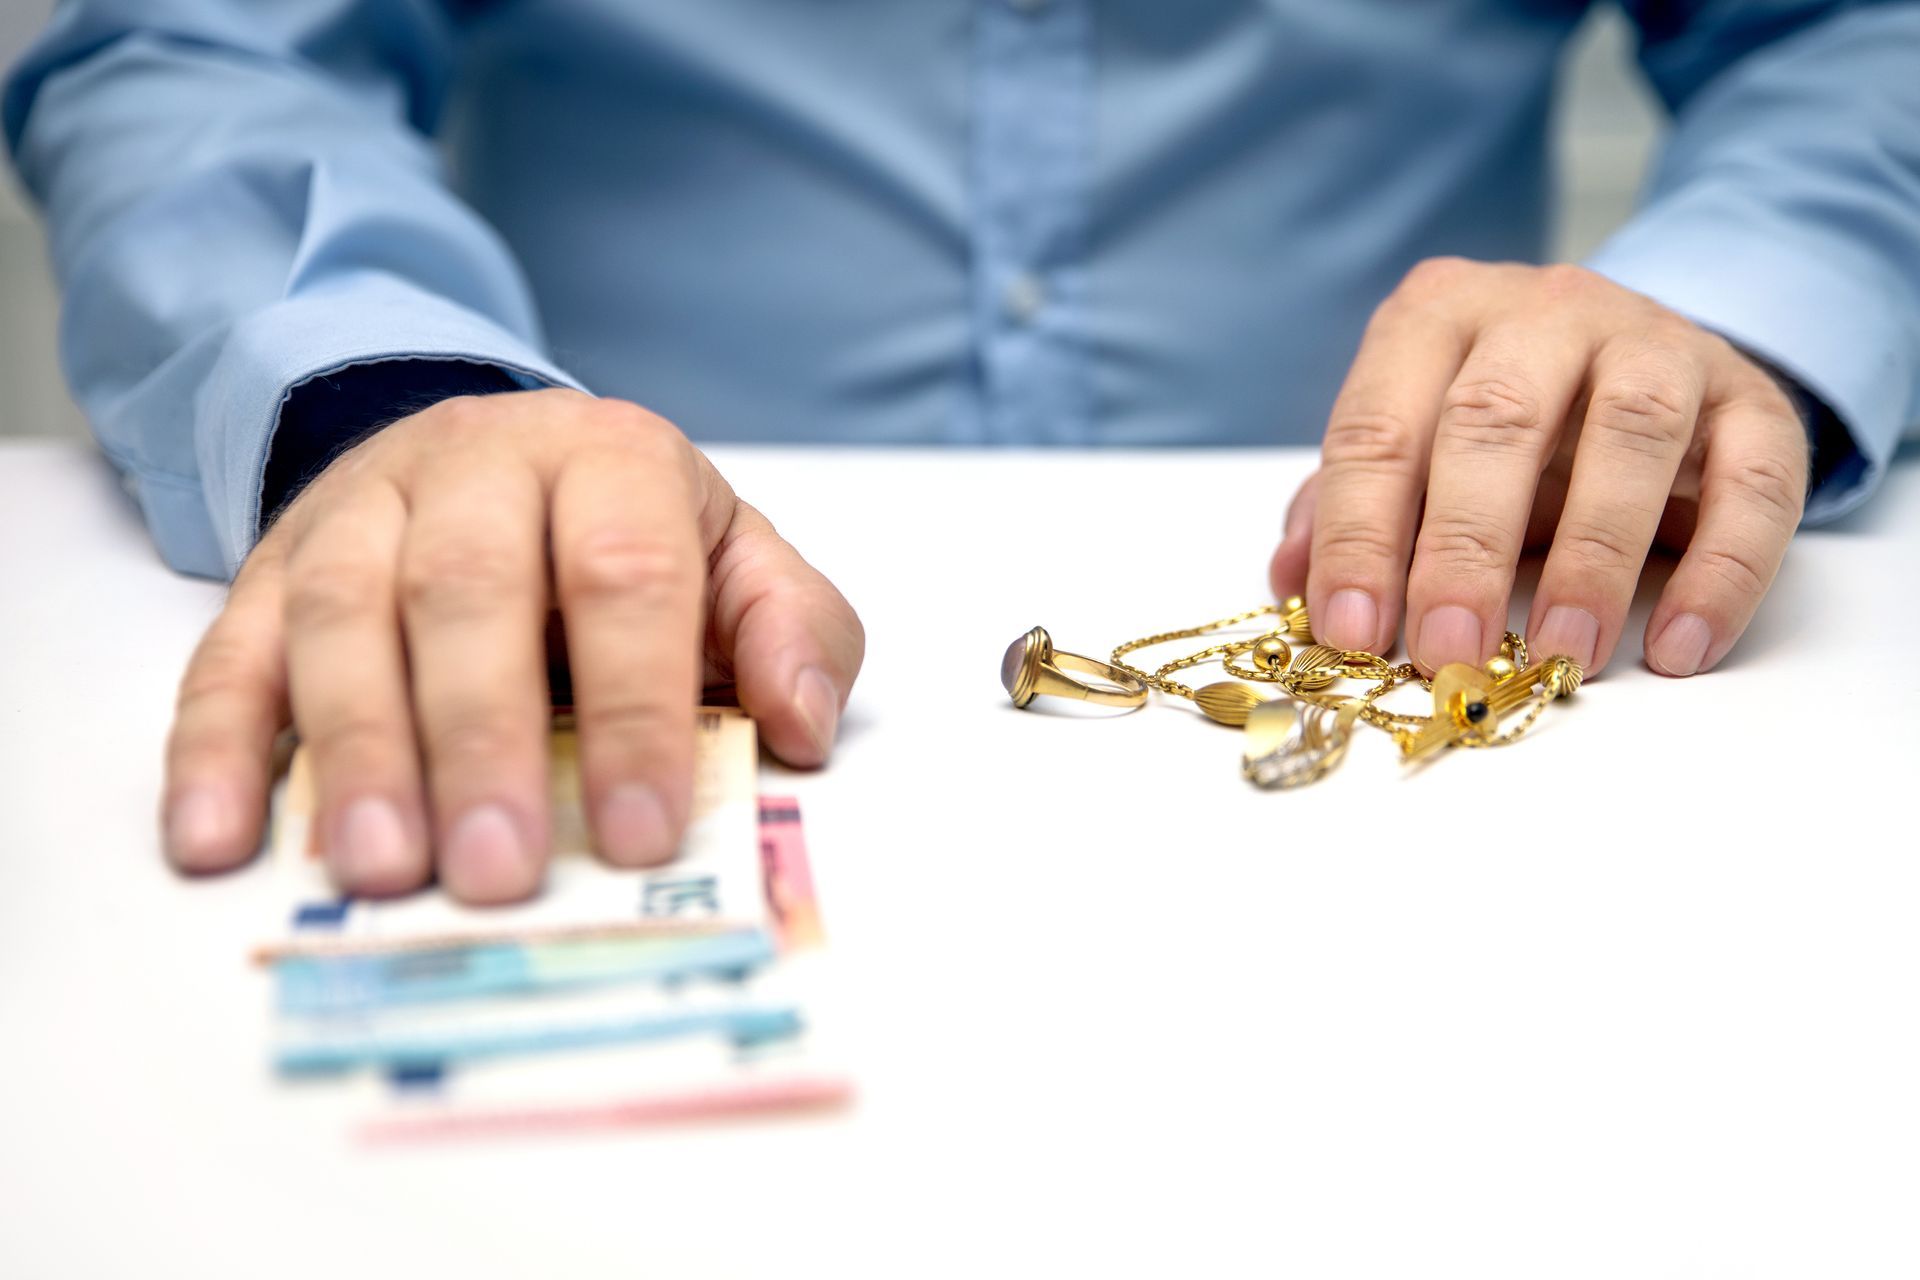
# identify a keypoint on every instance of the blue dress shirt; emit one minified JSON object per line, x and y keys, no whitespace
{"x":1122,"y":222}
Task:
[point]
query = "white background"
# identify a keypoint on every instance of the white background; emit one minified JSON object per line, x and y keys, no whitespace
{"x":1634,"y":997}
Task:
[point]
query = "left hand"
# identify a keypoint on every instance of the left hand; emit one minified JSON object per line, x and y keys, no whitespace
{"x":1495,"y":407}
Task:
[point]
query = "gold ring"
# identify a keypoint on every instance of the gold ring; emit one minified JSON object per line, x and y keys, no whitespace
{"x":1033,"y":667}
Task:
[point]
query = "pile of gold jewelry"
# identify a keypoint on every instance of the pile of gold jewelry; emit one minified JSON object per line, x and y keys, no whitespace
{"x":1301,"y":736}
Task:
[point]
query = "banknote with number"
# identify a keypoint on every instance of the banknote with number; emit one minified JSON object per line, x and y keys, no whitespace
{"x":713,"y":885}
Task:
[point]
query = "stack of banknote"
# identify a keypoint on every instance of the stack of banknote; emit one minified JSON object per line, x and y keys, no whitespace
{"x":615,"y":997}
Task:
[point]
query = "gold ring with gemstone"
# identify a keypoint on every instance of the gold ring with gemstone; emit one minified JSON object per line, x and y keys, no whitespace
{"x":1033,"y":668}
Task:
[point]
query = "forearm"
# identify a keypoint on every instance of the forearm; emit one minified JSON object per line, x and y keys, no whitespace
{"x":231,"y":219}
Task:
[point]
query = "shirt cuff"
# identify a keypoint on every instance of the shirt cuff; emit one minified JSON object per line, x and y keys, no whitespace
{"x":284,"y":349}
{"x":1824,"y":322}
{"x":328,"y":414}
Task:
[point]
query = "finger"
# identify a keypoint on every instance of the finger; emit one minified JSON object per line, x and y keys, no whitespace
{"x":1497,"y":428}
{"x":795,"y":641}
{"x":631,"y":576}
{"x":1373,"y":465}
{"x":349,"y":689}
{"x":1288,"y":571}
{"x":1639,"y":420}
{"x":473,"y":590}
{"x":1752,"y":492}
{"x":233,"y":701}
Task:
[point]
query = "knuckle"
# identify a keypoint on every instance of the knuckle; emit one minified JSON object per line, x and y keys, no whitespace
{"x":1347,"y":538}
{"x":621,"y":565}
{"x":466,"y":420}
{"x":633,"y":425}
{"x":200,"y":752}
{"x":1494,"y":412}
{"x":330,"y":594}
{"x":855,"y":632}
{"x":1736,"y":568}
{"x":1564,"y":279}
{"x":1645,"y":416}
{"x":222,"y":666}
{"x":1466,"y":540}
{"x":632,"y":721}
{"x":456,"y":413}
{"x":1672,"y":334}
{"x":1775,"y":486}
{"x":205,"y":752}
{"x":460,"y":576}
{"x":1374,"y":440}
{"x":1771,"y":399}
{"x":475,"y":736}
{"x":353,"y":735}
{"x":1436,"y":275}
{"x":1596,"y":544}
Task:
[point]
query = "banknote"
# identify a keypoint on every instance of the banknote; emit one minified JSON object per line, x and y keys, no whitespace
{"x":611,"y":1088}
{"x":335,"y":984}
{"x":404,"y":1008}
{"x":407,"y":1037}
{"x":713,"y":885}
{"x":787,"y":876}
{"x":660,"y":1081}
{"x":322,"y":984}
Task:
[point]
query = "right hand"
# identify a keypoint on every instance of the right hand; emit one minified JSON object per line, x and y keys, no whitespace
{"x":396,"y":612}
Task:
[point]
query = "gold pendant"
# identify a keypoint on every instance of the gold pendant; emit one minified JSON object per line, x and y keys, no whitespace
{"x":1290,"y":745}
{"x":1462,"y":706}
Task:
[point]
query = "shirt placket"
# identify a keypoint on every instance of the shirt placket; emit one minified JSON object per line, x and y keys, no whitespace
{"x":1031,"y":144}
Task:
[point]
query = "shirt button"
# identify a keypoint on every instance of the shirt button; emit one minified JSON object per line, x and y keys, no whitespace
{"x":1023,"y":297}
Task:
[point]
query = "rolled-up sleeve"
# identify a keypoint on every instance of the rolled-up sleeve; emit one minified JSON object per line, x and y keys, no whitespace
{"x":1785,"y":210}
{"x":240,"y":199}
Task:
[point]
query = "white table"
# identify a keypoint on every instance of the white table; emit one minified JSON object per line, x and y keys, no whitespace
{"x":1634,"y":998}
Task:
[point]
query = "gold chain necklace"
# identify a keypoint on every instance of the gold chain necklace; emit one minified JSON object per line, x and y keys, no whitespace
{"x":1290,"y":743}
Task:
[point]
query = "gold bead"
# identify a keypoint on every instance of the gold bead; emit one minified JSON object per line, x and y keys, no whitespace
{"x":1270,"y":653}
{"x":1293,"y":612}
{"x":1563,"y":677}
{"x":1315,"y":668}
{"x":1499,"y":669}
{"x":1228,"y":702}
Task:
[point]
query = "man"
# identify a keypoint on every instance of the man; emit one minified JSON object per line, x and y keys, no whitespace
{"x":318,"y":357}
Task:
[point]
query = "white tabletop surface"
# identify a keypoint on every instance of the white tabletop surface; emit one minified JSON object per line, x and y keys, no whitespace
{"x":1636,"y":997}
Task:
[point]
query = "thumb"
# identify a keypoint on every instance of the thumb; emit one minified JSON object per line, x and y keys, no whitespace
{"x":792,"y":641}
{"x":1288,"y":572}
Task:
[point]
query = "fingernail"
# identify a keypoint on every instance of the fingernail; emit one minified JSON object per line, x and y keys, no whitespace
{"x":1682,"y":647}
{"x":1568,"y":632}
{"x":819,"y":706}
{"x":1449,"y":633}
{"x":1352,"y":620}
{"x":368,"y":852}
{"x":633,"y":826}
{"x":201,"y":827}
{"x":486,"y":859}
